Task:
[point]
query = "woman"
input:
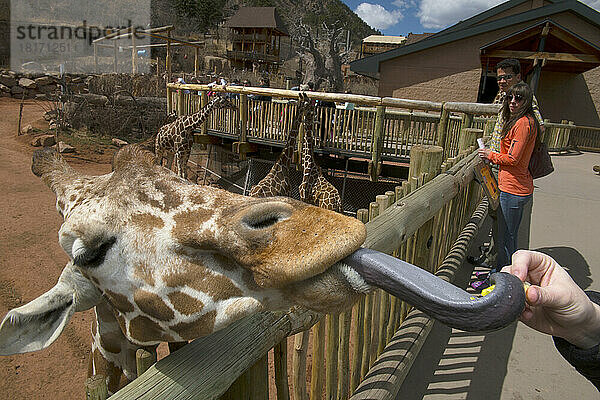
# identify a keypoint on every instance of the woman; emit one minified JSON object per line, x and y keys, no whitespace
{"x":514,"y":180}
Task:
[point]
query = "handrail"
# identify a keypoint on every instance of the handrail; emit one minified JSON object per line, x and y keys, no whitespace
{"x":340,"y":97}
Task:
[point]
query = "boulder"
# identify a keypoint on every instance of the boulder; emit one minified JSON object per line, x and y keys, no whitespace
{"x":48,"y":88}
{"x":44,"y":140}
{"x":8,"y":80}
{"x":65,"y":148}
{"x":119,"y":142}
{"x":27,"y":83}
{"x":4,"y":88}
{"x":17,"y":90}
{"x":43,"y":81}
{"x":27,"y":129}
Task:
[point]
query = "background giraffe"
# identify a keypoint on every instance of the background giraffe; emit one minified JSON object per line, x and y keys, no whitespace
{"x":315,"y":189}
{"x":174,"y":141}
{"x":277,"y":181}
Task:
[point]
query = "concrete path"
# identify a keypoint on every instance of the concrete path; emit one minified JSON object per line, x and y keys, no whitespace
{"x":517,"y":362}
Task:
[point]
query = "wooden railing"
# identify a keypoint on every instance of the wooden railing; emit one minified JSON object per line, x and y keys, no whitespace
{"x":414,"y":223}
{"x":377,"y":128}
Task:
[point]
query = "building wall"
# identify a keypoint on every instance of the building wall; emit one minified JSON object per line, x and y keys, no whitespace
{"x":452,"y":72}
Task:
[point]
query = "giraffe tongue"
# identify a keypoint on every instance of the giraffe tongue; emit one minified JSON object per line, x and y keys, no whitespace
{"x":440,"y":299}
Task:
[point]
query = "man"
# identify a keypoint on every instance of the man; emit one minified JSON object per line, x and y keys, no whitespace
{"x":508,"y":73}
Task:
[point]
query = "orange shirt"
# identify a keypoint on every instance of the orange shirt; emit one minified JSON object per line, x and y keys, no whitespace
{"x":515,"y":151}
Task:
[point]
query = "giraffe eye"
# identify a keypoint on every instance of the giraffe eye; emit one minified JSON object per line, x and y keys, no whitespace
{"x":91,"y":257}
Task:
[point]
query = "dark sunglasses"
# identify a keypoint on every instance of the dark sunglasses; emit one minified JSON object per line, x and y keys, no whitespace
{"x":505,"y":78}
{"x":515,"y":97}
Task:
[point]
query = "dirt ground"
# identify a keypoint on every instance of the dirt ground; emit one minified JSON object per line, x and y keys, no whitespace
{"x":31,"y":260}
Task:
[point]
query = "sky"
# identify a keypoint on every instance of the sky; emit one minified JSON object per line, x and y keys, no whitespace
{"x":399,"y":17}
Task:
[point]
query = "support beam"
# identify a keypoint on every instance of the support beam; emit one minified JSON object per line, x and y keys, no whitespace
{"x":542,"y":55}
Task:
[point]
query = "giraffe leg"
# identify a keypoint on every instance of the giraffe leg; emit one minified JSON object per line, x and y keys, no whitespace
{"x":112,"y":354}
{"x":184,"y":161}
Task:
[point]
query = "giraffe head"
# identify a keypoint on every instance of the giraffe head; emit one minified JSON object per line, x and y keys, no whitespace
{"x":222,"y":102}
{"x":176,"y":261}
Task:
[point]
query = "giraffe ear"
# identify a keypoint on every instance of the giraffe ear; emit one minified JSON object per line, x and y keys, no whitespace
{"x":37,"y":324}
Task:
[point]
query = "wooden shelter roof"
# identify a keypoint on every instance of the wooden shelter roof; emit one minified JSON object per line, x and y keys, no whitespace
{"x":257,"y":17}
{"x":564,"y":50}
{"x":481,"y":23}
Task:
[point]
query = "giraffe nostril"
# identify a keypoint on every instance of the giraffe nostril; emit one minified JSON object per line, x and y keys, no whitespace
{"x":263,"y":216}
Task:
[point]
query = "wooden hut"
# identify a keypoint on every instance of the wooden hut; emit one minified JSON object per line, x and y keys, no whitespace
{"x":255,"y":38}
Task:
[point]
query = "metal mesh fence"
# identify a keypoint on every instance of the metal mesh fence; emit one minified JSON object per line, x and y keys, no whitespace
{"x":227,"y":171}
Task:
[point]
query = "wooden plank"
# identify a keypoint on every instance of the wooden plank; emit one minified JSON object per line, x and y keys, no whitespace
{"x":402,"y":220}
{"x":389,"y":371}
{"x":472,"y":108}
{"x":544,"y":55}
{"x":192,"y":373}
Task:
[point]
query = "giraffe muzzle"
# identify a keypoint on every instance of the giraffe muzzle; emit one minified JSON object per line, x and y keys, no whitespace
{"x":438,"y":298}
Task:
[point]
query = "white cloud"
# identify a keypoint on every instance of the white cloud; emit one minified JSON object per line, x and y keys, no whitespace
{"x":595,"y":4}
{"x":406,"y":4}
{"x":377,"y":16}
{"x":434,"y":14}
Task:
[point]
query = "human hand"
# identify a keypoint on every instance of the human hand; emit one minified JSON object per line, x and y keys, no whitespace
{"x":555,"y":304}
{"x":484,"y":153}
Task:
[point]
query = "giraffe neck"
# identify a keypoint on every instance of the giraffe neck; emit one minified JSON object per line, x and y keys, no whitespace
{"x":308,"y":162}
{"x":290,"y":145}
{"x":112,"y":354}
{"x":191,"y":121}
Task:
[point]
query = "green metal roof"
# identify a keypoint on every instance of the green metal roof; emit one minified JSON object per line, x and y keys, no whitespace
{"x":468,"y":28}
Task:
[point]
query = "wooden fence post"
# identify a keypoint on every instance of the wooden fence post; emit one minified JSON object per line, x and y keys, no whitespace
{"x":467,"y":121}
{"x":442,"y":128}
{"x":424,"y":160}
{"x":468,"y":137}
{"x":180,"y":105}
{"x":316,"y":381}
{"x":95,"y":388}
{"x":331,"y":362}
{"x":545,"y":135}
{"x":377,"y":144}
{"x":242,"y":146}
{"x":281,"y":376}
{"x":203,"y":102}
{"x":299,"y":365}
{"x":144,"y":360}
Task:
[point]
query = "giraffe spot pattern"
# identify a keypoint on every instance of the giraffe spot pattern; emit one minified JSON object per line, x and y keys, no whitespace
{"x":141,"y":271}
{"x":104,"y":313}
{"x":186,"y":225}
{"x":108,"y":369}
{"x":110,"y":341}
{"x":119,"y":301}
{"x":184,"y":303}
{"x":203,"y":280}
{"x":152,"y":305}
{"x":147,"y":221}
{"x":143,"y":329}
{"x":201,"y":327}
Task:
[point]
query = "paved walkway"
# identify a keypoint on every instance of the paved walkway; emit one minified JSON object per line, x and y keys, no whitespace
{"x":517,"y":362}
